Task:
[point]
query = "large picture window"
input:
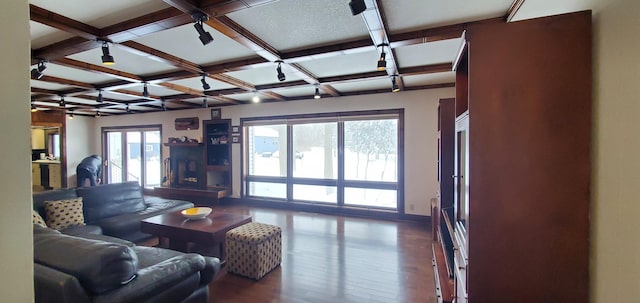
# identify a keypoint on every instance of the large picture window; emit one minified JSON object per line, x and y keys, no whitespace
{"x":341,"y":159}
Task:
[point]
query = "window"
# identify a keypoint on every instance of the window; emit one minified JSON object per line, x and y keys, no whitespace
{"x":340,"y":159}
{"x":133,"y":154}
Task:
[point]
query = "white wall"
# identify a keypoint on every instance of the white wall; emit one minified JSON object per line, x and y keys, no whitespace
{"x":16,"y":239}
{"x":615,"y":228}
{"x":420,"y":131}
{"x":80,"y":144}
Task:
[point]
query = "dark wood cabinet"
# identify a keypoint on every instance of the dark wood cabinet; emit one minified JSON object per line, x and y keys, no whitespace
{"x":523,"y":142}
{"x":517,"y":226}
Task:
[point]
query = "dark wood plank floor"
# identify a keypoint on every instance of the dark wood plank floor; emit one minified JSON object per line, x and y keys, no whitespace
{"x":337,"y":259}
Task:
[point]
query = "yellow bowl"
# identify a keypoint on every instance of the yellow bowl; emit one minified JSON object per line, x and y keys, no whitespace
{"x":196,"y":213}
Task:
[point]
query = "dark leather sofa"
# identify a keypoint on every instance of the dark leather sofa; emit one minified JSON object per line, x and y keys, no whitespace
{"x":111,"y":209}
{"x":72,"y":269}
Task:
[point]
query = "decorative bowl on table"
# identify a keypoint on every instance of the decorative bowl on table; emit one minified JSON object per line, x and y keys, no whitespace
{"x":196,"y":213}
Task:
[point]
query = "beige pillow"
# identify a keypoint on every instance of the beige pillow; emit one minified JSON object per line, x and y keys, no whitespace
{"x":64,"y":213}
{"x":37,"y":219}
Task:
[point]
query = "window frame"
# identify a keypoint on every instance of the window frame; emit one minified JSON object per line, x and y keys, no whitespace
{"x":340,"y":183}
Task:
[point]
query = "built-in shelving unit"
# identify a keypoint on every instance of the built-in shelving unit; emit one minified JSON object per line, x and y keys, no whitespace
{"x":201,"y":172}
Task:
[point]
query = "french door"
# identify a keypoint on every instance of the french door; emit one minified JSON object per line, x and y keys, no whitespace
{"x":133,"y":154}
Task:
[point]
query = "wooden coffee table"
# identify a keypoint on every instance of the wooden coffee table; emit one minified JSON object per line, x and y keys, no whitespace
{"x":185,"y":235}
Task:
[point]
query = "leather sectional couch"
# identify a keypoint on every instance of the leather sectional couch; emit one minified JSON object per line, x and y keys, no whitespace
{"x":111,"y":209}
{"x":72,"y":269}
{"x":99,"y":261}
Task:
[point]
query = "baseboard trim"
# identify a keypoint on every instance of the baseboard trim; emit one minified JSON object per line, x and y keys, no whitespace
{"x":328,"y":210}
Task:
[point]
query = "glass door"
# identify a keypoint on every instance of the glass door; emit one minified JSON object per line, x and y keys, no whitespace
{"x":133,"y":155}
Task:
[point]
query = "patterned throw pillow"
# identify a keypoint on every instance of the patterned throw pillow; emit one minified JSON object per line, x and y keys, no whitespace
{"x":64,"y":213}
{"x":37,"y":219}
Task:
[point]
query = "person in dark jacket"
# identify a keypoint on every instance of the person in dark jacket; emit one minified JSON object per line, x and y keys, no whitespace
{"x":90,"y":168}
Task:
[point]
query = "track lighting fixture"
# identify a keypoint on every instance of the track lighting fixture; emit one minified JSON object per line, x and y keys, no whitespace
{"x":71,"y":115}
{"x":107,"y":59}
{"x":204,"y":103}
{"x":255,"y":98}
{"x":145,"y":91}
{"x":128,"y":109}
{"x":33,"y":107}
{"x":98,"y":115}
{"x":382,"y":61}
{"x":357,"y":6}
{"x":164,"y":106}
{"x":317,"y":94}
{"x":199,"y":18}
{"x":62,"y":103}
{"x":100,"y":99}
{"x":281,"y":76}
{"x":36,"y":72}
{"x":394,"y":84}
{"x":205,"y":85}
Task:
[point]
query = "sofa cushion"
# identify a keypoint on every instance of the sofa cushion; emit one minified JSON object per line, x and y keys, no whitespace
{"x":37,"y":219}
{"x":99,"y":266}
{"x":109,"y":200}
{"x":39,"y":198}
{"x":64,"y":213}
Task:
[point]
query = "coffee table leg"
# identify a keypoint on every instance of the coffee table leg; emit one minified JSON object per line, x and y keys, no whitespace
{"x":179,"y":245}
{"x":223,"y":252}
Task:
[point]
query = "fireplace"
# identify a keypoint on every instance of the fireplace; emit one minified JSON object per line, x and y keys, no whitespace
{"x":187,"y":166}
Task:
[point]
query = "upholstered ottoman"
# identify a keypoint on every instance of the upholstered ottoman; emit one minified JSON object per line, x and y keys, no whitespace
{"x":254,"y":249}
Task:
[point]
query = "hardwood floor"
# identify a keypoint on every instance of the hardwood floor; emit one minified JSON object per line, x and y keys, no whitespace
{"x":337,"y":259}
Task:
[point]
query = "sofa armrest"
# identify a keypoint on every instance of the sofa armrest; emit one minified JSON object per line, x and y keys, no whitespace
{"x":52,"y":286}
{"x":150,"y":281}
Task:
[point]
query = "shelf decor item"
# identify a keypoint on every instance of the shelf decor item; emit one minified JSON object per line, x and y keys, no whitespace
{"x":216,"y":113}
{"x":235,"y":129}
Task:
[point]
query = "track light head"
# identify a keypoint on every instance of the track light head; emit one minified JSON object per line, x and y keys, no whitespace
{"x":204,"y":103}
{"x":36,"y":72}
{"x":281,"y":76}
{"x":128,"y":109}
{"x":317,"y":94}
{"x":205,"y":85}
{"x":98,"y":114}
{"x":382,"y":61}
{"x":33,"y":107}
{"x":357,"y":6}
{"x":107,"y":59}
{"x":164,"y":106}
{"x":205,"y":37}
{"x":255,"y":97}
{"x":71,"y":115}
{"x":394,"y":84}
{"x":100,"y":99}
{"x":145,"y":91}
{"x":62,"y":103}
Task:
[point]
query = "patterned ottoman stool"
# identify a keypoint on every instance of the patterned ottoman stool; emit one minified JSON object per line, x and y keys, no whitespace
{"x":254,"y":249}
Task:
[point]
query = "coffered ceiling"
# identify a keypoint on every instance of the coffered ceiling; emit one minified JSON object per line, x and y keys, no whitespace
{"x":320,"y":43}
